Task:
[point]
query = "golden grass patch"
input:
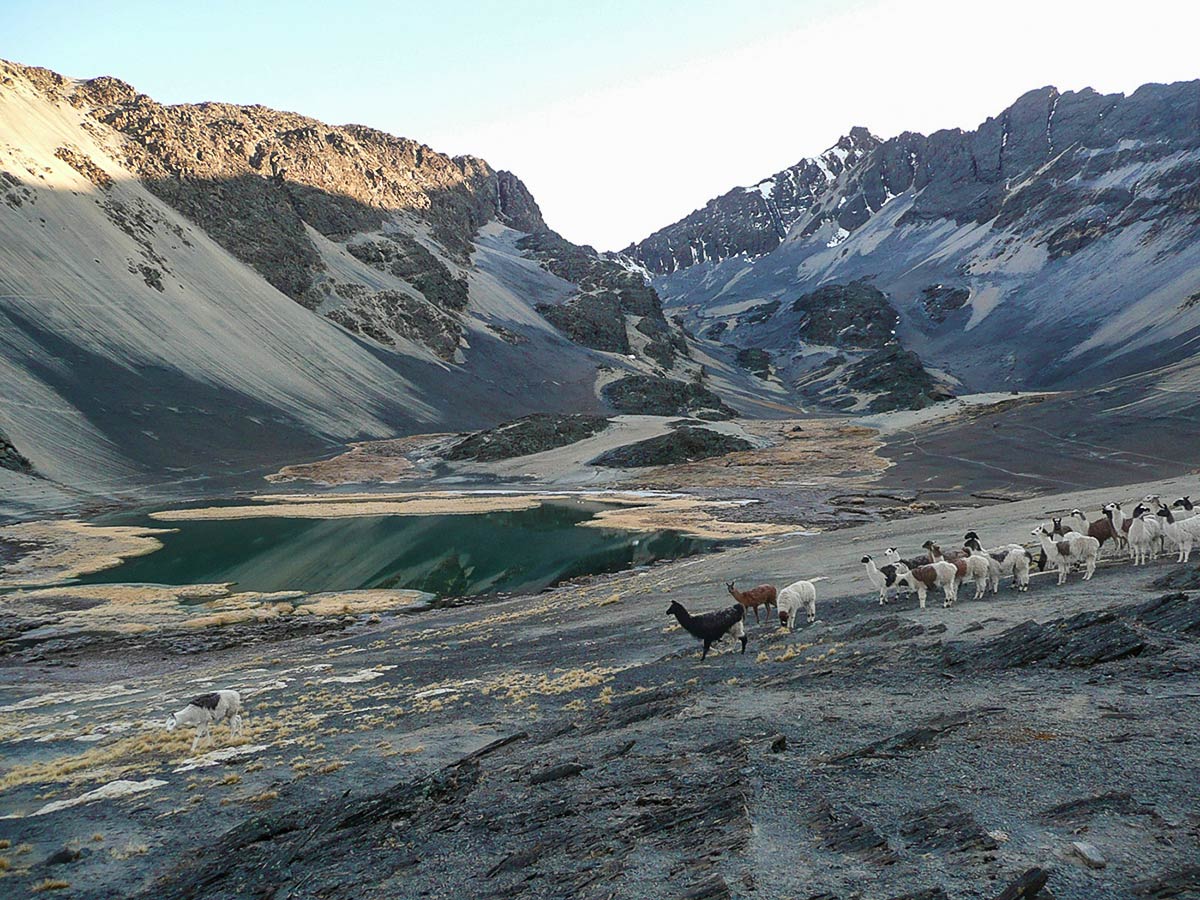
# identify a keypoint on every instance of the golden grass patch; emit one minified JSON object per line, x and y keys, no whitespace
{"x":518,"y":686}
{"x":122,"y":755}
{"x":146,"y":751}
{"x":50,"y":884}
{"x":68,"y":548}
{"x":130,"y":850}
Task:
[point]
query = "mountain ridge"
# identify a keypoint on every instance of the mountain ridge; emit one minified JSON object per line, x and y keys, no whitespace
{"x":1084,"y":116}
{"x":194,"y":291}
{"x":1070,"y":219}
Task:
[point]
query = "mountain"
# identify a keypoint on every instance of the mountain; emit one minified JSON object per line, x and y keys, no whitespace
{"x":192,"y":291}
{"x":1055,"y":246}
{"x":751,"y":220}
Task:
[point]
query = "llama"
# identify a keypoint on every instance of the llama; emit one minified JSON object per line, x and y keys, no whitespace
{"x":935,"y":552}
{"x":966,"y":565}
{"x":1145,"y":530}
{"x":1065,"y":551}
{"x":797,"y":596}
{"x":892,"y":555}
{"x":1183,"y":533}
{"x":937,"y":574}
{"x":207,"y":710}
{"x":1187,"y":509}
{"x":1101,"y":529}
{"x":712,"y":626}
{"x":884,"y":577}
{"x":763,"y":595}
{"x":1010,"y":559}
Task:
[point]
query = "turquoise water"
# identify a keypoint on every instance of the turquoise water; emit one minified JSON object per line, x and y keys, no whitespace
{"x":446,"y":555}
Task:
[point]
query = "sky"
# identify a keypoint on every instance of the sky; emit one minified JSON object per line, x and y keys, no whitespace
{"x":620,"y":116}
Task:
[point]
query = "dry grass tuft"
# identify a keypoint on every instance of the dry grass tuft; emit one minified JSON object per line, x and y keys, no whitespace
{"x":129,"y":850}
{"x":519,"y":686}
{"x":50,"y":884}
{"x":264,"y":797}
{"x":231,"y":778}
{"x":122,"y":755}
{"x":331,"y":767}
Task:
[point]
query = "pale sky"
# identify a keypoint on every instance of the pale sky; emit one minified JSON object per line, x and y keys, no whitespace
{"x":621,"y":116}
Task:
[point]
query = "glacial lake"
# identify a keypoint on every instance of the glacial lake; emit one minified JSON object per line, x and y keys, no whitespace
{"x":446,"y":555}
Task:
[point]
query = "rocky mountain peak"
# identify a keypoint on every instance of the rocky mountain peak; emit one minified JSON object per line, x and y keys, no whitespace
{"x":515,"y":205}
{"x":752,"y":220}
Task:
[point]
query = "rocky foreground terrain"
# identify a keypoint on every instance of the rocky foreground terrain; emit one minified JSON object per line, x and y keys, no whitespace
{"x":572,"y":743}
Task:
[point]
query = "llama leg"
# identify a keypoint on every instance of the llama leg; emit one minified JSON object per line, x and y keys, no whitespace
{"x":703,"y":655}
{"x":202,"y":731}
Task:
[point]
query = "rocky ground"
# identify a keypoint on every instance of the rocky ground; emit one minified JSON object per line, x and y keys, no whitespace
{"x":573,"y":744}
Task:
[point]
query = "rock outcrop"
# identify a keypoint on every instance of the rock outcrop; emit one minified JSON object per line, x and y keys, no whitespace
{"x":682,"y":444}
{"x":11,"y":458}
{"x":654,"y":396}
{"x":531,"y":434}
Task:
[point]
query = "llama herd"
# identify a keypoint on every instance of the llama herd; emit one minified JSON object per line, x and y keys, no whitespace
{"x":1065,"y":543}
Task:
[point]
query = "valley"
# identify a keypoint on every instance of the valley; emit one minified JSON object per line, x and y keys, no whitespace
{"x":333,"y":419}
